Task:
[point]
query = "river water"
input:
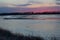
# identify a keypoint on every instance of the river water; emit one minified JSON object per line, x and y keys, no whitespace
{"x":39,"y":25}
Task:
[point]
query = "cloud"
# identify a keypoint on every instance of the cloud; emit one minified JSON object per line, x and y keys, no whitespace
{"x":27,"y":3}
{"x":40,"y":9}
{"x":40,"y":5}
{"x":44,"y":1}
{"x":7,"y":9}
{"x":57,"y":2}
{"x":7,"y":5}
{"x":14,"y":5}
{"x":22,"y":2}
{"x":24,"y":5}
{"x":15,"y":1}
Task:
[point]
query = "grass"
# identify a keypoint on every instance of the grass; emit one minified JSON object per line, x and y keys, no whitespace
{"x":7,"y":35}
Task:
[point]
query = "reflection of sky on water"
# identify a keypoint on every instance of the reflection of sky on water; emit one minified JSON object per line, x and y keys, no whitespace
{"x":35,"y":27}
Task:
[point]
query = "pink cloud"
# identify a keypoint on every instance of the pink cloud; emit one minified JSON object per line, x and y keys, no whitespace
{"x":41,"y":9}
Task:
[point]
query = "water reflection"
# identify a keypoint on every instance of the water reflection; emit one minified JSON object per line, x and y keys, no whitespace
{"x":45,"y":28}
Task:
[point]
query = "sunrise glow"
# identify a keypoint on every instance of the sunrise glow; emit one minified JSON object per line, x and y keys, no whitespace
{"x":29,"y":5}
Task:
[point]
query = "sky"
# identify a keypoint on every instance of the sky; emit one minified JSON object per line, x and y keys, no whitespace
{"x":28,"y":5}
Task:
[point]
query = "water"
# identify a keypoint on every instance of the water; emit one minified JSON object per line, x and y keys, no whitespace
{"x":40,"y":25}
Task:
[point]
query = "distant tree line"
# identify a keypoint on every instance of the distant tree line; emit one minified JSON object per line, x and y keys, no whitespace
{"x":29,"y":13}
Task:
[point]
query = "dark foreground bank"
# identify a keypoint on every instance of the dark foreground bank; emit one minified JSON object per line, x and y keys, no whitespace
{"x":7,"y":35}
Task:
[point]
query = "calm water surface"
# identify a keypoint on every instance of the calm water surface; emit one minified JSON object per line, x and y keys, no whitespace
{"x":43,"y":25}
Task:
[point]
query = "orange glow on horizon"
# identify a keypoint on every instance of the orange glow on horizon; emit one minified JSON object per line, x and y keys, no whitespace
{"x":40,"y":5}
